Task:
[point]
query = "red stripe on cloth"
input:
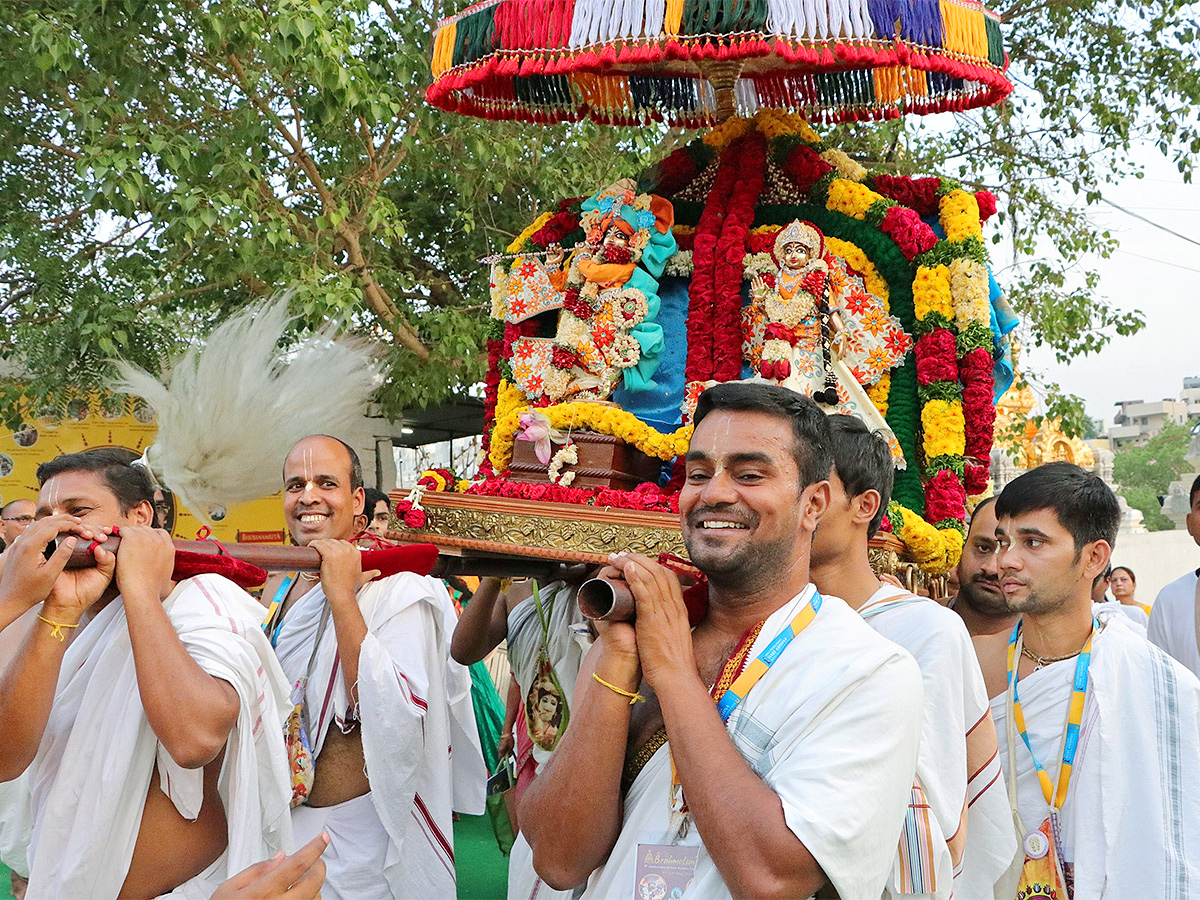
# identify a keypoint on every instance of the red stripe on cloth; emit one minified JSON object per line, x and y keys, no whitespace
{"x":441,"y":839}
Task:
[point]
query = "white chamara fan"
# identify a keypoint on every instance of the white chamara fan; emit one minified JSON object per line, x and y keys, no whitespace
{"x":229,"y":412}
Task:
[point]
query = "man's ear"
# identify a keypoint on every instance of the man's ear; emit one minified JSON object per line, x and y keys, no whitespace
{"x":865,"y":506}
{"x":1095,"y":557}
{"x":141,"y":514}
{"x":813,"y":503}
{"x":360,"y":501}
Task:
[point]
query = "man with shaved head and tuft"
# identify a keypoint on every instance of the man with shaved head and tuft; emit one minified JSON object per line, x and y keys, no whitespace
{"x":379,"y":703}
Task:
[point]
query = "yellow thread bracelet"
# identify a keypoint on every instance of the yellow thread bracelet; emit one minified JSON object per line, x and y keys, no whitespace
{"x":633,"y":697}
{"x":56,"y":628}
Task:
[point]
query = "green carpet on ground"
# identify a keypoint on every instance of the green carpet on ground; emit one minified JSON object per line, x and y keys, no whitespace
{"x":482,"y":869}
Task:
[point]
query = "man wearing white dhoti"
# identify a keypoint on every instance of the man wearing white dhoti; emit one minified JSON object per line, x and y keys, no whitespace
{"x":544,"y":652}
{"x":800,"y":770}
{"x":152,"y":739}
{"x":384,"y":712}
{"x":1109,"y":802}
{"x":958,"y":836}
{"x":1175,"y":615}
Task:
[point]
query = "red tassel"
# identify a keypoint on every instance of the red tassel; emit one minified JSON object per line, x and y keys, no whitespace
{"x":826,"y":58}
{"x":608,"y":56}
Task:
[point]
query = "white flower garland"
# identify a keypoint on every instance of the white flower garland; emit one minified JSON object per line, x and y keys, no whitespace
{"x":565,"y":456}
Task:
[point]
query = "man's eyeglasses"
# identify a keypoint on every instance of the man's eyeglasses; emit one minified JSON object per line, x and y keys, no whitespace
{"x":24,"y":520}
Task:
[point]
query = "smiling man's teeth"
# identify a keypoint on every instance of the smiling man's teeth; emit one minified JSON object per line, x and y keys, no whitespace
{"x":721,"y":525}
{"x":313,"y":518}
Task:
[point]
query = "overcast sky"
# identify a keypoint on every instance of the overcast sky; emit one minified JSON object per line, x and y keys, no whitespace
{"x":1154,"y":272}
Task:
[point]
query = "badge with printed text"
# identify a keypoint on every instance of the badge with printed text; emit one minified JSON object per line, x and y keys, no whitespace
{"x":664,"y":871}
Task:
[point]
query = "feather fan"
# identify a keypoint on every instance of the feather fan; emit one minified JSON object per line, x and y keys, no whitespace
{"x":229,"y":412}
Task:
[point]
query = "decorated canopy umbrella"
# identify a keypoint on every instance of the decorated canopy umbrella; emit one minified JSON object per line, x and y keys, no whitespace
{"x":696,"y":62}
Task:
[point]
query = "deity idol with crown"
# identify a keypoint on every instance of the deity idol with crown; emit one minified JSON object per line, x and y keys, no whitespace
{"x":820,"y":332}
{"x":608,"y":298}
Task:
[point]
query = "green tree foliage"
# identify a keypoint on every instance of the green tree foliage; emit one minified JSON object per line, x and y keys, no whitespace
{"x":1096,"y":82}
{"x":1143,"y":473}
{"x":163,"y":162}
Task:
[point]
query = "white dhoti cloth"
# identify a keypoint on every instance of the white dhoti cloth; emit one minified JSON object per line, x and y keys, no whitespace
{"x":1131,"y":821}
{"x":832,"y":728}
{"x":418,"y":733}
{"x":89,"y":780}
{"x":957,"y":767}
{"x":1135,"y":617}
{"x":1172,"y":624}
{"x":16,"y":817}
{"x":524,"y":643}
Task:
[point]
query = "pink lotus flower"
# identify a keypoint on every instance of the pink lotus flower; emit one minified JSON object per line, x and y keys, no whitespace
{"x":535,"y":428}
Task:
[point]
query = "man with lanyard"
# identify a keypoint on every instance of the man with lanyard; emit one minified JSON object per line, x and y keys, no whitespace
{"x":768,"y":750}
{"x":544,"y":652}
{"x":980,"y":602}
{"x":378,"y":703}
{"x":1101,"y":730}
{"x":1175,"y":615}
{"x":958,"y":836}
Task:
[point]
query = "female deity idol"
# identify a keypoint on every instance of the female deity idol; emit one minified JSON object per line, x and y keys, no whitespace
{"x":821,"y":329}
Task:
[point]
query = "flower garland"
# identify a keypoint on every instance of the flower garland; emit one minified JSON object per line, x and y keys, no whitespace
{"x":945,"y":309}
{"x":961,"y":215}
{"x":583,"y":416}
{"x":730,"y":251}
{"x":646,"y":497}
{"x":564,"y":456}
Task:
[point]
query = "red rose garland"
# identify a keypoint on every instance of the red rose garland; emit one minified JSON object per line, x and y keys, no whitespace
{"x":702,"y":291}
{"x":918,"y":194}
{"x":750,"y":157}
{"x":805,"y":167}
{"x":935,"y":357}
{"x":648,"y":497}
{"x":945,"y":498}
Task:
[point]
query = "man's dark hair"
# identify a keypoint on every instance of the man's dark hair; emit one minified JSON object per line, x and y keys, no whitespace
{"x":1083,"y":503}
{"x":1132,"y":577}
{"x":356,"y":476}
{"x":810,"y":426}
{"x":1195,"y":490}
{"x":130,"y":484}
{"x":374,"y":495}
{"x":863,"y":460}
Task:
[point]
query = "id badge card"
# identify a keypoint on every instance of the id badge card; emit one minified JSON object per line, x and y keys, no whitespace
{"x":664,"y":871}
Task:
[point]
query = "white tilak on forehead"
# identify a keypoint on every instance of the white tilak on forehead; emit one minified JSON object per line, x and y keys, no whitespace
{"x":308,"y":470}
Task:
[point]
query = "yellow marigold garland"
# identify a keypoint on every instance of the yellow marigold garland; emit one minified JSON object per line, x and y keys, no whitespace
{"x":850,"y":197}
{"x":878,"y":392}
{"x":583,"y":416}
{"x":943,"y":425}
{"x":925,"y":543}
{"x":931,"y":292}
{"x":520,"y":239}
{"x":727,"y":132}
{"x":959,"y":213}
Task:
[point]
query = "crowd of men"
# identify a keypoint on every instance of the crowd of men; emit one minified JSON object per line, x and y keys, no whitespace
{"x":790,"y":726}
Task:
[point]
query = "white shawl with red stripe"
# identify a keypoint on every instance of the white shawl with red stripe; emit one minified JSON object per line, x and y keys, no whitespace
{"x":89,"y":780}
{"x":418,"y":727}
{"x":958,"y":767}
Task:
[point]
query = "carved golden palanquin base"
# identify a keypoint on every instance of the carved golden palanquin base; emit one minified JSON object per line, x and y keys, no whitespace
{"x":470,"y":525}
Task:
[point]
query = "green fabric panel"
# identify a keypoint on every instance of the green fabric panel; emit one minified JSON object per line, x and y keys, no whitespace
{"x":489,"y":712}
